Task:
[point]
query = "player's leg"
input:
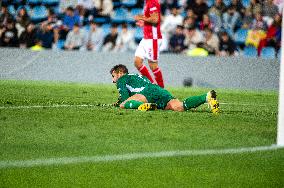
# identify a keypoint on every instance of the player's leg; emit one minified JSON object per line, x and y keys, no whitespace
{"x":138,"y":101}
{"x":138,"y":60}
{"x":175,"y":105}
{"x":133,"y":102}
{"x":153,"y":62}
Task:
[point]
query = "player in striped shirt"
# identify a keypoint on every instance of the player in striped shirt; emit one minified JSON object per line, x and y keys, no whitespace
{"x":149,"y":46}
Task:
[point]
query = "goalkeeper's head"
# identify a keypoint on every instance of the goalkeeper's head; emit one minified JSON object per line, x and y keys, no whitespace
{"x":118,"y":71}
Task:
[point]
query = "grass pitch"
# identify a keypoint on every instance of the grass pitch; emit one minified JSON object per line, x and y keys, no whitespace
{"x":248,"y":119}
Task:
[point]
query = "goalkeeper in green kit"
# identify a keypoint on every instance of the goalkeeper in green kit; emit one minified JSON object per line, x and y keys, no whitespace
{"x":137,"y":92}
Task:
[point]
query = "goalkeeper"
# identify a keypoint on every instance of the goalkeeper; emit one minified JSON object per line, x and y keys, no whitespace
{"x":137,"y":92}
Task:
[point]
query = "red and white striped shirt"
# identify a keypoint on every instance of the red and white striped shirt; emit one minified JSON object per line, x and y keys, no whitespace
{"x":152,"y":31}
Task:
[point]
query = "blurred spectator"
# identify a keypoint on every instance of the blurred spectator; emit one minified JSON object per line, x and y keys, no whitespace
{"x":51,"y":18}
{"x":199,"y":8}
{"x":230,"y":19}
{"x":88,"y":6}
{"x":211,"y":43}
{"x":103,"y":8}
{"x":255,"y":7}
{"x":75,"y":38}
{"x":189,"y":22}
{"x":190,"y":13}
{"x":205,"y":23}
{"x":167,"y":5}
{"x":95,"y":38}
{"x":9,"y":35}
{"x":46,"y":35}
{"x":177,"y":40}
{"x":193,"y":37}
{"x":69,"y":20}
{"x":279,"y":4}
{"x":238,"y":7}
{"x":218,"y":8}
{"x":248,"y":19}
{"x":215,"y":13}
{"x":5,"y":15}
{"x":169,"y":25}
{"x":125,"y":40}
{"x":110,"y":40}
{"x":22,"y":19}
{"x":273,"y":35}
{"x":28,"y":37}
{"x":269,"y":10}
{"x":258,"y":22}
{"x":227,"y":46}
{"x":171,"y":21}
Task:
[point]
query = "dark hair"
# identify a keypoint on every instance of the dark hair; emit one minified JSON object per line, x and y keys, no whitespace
{"x":119,"y":68}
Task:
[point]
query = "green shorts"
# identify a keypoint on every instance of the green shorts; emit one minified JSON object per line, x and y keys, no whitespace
{"x":158,"y":95}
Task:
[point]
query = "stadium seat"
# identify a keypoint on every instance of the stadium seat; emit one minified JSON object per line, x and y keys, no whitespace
{"x":268,"y":52}
{"x":60,"y":44}
{"x":120,"y":15}
{"x":250,"y":51}
{"x":129,"y":3}
{"x":138,"y":34}
{"x":210,"y":3}
{"x":116,"y":3}
{"x":246,"y":3}
{"x":34,"y":2}
{"x":38,"y":13}
{"x":12,"y":10}
{"x":106,"y":29}
{"x":227,"y":2}
{"x":240,"y":36}
{"x":50,"y":2}
{"x":101,"y":20}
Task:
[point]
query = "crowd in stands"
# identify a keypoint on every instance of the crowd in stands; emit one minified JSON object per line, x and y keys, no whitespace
{"x":192,"y":27}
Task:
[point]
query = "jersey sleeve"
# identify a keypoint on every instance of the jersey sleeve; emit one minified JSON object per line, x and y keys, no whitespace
{"x":123,"y":91}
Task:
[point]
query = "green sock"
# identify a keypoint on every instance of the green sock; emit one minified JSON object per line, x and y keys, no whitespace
{"x":193,"y":102}
{"x":132,"y":104}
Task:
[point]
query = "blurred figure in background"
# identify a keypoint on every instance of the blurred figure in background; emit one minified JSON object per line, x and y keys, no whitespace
{"x":230,"y":19}
{"x":69,"y":20}
{"x":199,"y":8}
{"x":75,"y":39}
{"x":110,"y":39}
{"x":211,"y":43}
{"x":269,"y":11}
{"x":46,"y":35}
{"x":193,"y":37}
{"x":28,"y":37}
{"x":103,"y":8}
{"x":95,"y":38}
{"x":22,"y":20}
{"x":177,"y":40}
{"x":169,"y":25}
{"x":227,"y":47}
{"x":9,"y":35}
{"x":5,"y":15}
{"x":125,"y":40}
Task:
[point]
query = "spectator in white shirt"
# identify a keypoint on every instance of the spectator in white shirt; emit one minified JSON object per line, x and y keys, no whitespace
{"x":95,"y":38}
{"x":125,"y":40}
{"x":193,"y":38}
{"x":75,"y":38}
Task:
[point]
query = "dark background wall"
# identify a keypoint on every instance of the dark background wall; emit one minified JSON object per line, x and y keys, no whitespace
{"x":213,"y":72}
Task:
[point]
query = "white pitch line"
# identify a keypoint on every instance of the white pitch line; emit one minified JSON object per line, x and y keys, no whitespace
{"x":91,"y":105}
{"x":129,"y":156}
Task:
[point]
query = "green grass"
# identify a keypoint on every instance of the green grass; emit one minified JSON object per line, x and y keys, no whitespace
{"x":248,"y":119}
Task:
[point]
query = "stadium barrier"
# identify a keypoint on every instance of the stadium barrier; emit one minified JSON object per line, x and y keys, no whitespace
{"x":90,"y":67}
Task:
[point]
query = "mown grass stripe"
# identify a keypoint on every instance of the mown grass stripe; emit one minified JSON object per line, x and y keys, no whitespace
{"x":129,"y":156}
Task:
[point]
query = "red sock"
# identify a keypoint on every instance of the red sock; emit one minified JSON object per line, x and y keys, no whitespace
{"x":159,"y":77}
{"x":144,"y":71}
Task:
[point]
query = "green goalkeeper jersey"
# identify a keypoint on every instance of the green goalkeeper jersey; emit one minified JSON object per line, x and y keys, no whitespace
{"x":131,"y":84}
